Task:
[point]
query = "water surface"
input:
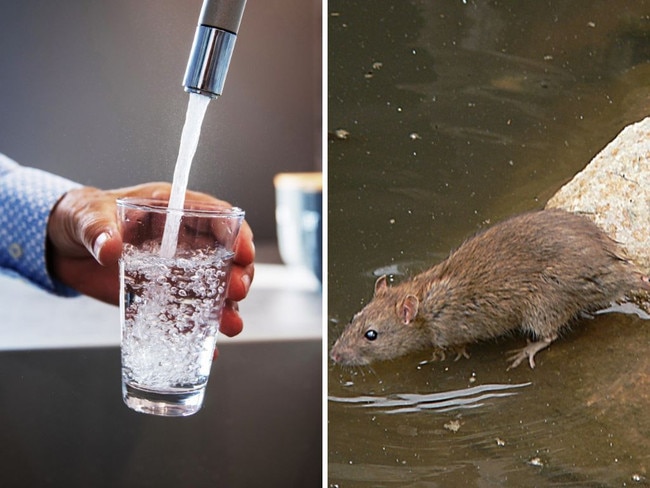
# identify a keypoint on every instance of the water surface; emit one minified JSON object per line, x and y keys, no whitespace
{"x":445,"y":117}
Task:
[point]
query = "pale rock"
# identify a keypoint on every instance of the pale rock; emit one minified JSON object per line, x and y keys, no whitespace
{"x":614,"y":191}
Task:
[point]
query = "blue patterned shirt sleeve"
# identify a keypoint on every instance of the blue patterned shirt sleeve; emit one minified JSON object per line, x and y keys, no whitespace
{"x":27,"y":196}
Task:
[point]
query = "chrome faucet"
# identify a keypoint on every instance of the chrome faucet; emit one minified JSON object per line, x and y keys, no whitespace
{"x":213,"y":44}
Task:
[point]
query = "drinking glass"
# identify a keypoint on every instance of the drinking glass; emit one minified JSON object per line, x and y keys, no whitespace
{"x":171,"y":300}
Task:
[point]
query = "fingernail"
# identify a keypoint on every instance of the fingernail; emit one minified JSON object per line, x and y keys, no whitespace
{"x":99,"y":243}
{"x":246,"y":281}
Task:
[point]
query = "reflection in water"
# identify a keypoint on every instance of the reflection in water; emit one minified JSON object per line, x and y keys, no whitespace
{"x":441,"y":402}
{"x":579,"y":419}
{"x":456,"y":115}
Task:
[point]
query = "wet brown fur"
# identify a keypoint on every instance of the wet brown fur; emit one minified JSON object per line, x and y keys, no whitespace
{"x":533,"y":273}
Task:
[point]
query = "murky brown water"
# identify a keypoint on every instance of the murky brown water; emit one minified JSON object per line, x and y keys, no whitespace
{"x":457,"y":115}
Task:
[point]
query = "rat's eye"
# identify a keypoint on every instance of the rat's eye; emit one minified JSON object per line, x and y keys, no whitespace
{"x":371,"y":335}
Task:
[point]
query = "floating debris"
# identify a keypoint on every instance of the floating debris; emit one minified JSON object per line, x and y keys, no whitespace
{"x":452,"y":425}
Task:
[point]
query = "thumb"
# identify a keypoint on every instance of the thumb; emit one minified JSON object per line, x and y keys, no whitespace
{"x":106,"y":246}
{"x":84,"y":221}
{"x":91,"y":219}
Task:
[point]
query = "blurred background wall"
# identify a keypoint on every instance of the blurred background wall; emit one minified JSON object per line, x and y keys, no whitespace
{"x":91,"y":90}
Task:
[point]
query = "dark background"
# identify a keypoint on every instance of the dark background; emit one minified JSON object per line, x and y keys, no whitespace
{"x":91,"y":90}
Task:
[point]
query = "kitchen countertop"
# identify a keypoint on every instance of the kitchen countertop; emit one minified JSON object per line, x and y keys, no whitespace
{"x":284,"y":303}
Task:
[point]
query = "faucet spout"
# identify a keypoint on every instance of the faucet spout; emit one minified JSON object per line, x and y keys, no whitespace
{"x":213,"y":45}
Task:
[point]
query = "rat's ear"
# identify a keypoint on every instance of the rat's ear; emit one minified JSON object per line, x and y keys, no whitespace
{"x":408,"y":309}
{"x":381,"y":284}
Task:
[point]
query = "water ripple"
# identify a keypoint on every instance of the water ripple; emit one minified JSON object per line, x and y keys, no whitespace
{"x":400,"y":403}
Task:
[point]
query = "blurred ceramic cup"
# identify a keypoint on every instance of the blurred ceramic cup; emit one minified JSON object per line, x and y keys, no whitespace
{"x":299,"y":216}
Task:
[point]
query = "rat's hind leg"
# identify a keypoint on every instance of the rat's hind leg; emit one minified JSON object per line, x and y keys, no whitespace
{"x":461,"y":351}
{"x":440,"y":353}
{"x":519,"y":355}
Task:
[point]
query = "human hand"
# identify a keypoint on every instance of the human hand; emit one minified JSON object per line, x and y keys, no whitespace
{"x":84,"y":245}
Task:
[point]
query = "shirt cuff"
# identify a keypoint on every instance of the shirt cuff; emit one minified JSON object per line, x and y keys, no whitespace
{"x":27,"y":196}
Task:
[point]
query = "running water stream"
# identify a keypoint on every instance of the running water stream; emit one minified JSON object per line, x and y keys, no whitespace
{"x":196,"y":108}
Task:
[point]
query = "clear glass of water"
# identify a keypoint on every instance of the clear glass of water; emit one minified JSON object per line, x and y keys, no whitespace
{"x":171,"y":300}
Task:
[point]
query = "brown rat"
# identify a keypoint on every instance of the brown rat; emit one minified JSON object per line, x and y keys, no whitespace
{"x":532,"y":273}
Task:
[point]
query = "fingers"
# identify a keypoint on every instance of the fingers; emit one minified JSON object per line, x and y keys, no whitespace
{"x":231,"y":322}
{"x":162,"y":191}
{"x":243,"y":270}
{"x":158,"y":190}
{"x":239,"y":282}
{"x":244,"y":246}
